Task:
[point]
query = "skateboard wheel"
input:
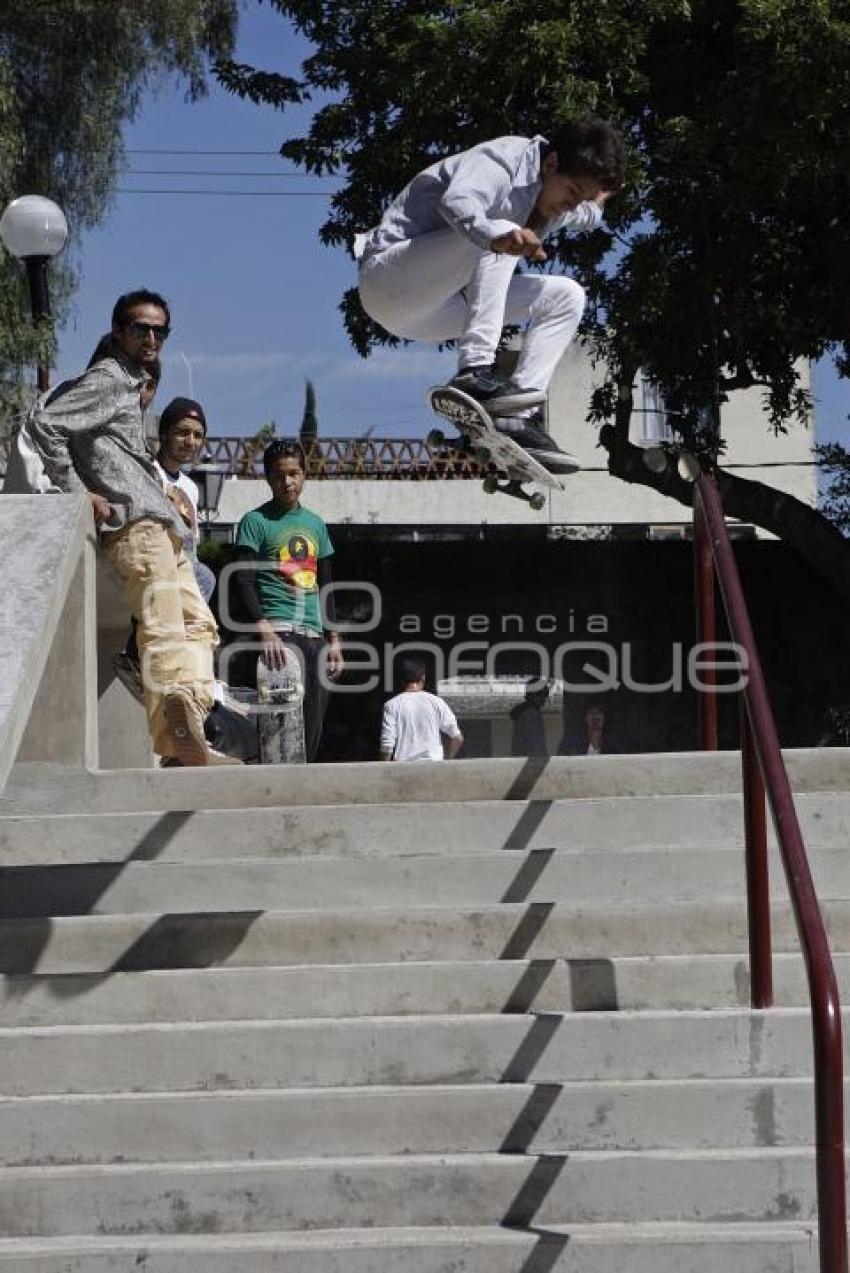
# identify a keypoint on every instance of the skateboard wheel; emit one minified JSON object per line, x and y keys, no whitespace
{"x":436,"y":437}
{"x":537,"y":502}
{"x":490,"y":485}
{"x":482,"y":454}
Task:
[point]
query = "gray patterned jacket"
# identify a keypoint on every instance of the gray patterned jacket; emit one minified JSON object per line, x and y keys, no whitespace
{"x":88,"y":435}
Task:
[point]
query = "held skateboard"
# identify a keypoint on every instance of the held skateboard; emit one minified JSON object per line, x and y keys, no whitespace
{"x":487,"y":445}
{"x":280,"y":712}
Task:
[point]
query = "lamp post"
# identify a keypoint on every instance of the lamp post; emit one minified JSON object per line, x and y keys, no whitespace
{"x":209,"y":478}
{"x":34,"y":229}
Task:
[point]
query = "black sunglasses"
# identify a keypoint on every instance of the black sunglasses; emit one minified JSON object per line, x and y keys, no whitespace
{"x":161,"y":331}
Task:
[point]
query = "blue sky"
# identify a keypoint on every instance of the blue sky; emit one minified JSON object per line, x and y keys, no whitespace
{"x":253,"y":292}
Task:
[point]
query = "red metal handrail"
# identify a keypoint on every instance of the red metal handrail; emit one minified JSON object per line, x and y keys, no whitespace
{"x":764,"y":768}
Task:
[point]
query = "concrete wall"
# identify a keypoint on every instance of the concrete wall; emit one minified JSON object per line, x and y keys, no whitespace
{"x":591,"y":497}
{"x":47,"y":631}
{"x":62,"y":618}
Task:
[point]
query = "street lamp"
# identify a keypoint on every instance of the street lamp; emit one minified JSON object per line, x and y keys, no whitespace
{"x":209,"y":478}
{"x":34,"y":229}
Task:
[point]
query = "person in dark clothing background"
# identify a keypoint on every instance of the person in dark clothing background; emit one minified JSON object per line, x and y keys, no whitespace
{"x":528,"y":733}
{"x":592,"y":737}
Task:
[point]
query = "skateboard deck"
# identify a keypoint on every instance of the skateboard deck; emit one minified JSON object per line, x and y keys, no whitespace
{"x":487,"y":445}
{"x":280,"y":712}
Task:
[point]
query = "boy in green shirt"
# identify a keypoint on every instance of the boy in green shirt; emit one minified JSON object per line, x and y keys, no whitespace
{"x":287,"y":550}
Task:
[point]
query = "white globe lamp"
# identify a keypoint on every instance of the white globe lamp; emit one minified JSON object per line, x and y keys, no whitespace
{"x":34,"y":230}
{"x":33,"y":226}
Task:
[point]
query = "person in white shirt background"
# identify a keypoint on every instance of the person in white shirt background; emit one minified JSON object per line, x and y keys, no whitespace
{"x":182,"y":436}
{"x":441,"y":265}
{"x":415,"y":723}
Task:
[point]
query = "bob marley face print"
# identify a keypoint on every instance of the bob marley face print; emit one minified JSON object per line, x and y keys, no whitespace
{"x":298,"y":561}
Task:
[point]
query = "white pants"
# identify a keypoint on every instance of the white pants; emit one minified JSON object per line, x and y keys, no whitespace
{"x":440,"y":286}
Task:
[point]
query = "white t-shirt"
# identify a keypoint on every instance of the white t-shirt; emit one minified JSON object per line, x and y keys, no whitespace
{"x":188,"y":505}
{"x":413,"y":724}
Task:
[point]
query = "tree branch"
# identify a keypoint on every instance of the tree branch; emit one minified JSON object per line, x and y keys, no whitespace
{"x":807,"y":531}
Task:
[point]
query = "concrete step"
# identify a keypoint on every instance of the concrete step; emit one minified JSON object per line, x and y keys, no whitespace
{"x":437,"y":1119}
{"x":62,"y":789}
{"x":772,"y":1247}
{"x":684,"y":821}
{"x":539,"y":930}
{"x":392,"y":1051}
{"x":542,"y":875}
{"x":421,"y":988}
{"x":415,"y":1189}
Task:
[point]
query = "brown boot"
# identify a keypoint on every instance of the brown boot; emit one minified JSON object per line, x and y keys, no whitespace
{"x":186,"y":727}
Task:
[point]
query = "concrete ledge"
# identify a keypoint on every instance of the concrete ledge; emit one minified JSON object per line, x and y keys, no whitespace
{"x":433,"y":1119}
{"x":64,"y":789}
{"x":653,"y":982}
{"x":255,"y":938}
{"x":672,"y":824}
{"x":598,"y":1248}
{"x":399,"y":1051}
{"x":418,"y":1189}
{"x":643,"y":876}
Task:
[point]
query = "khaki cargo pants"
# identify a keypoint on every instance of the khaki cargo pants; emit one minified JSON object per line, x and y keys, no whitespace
{"x":177,"y":632}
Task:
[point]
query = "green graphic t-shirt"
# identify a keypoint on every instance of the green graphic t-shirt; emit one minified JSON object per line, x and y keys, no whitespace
{"x":292,"y":543}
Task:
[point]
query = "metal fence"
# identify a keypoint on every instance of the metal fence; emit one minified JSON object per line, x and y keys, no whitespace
{"x":406,"y":459}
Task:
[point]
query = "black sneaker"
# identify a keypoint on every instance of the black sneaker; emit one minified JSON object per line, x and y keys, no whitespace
{"x":527,"y":432}
{"x":495,"y":392}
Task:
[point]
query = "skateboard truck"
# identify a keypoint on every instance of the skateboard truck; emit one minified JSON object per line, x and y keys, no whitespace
{"x":507,"y":466}
{"x":513,"y":487}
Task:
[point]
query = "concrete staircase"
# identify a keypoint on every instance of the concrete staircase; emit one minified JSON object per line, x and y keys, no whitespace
{"x":479,"y":1018}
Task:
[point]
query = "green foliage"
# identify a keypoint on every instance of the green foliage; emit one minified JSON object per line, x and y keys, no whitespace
{"x":309,"y":430}
{"x":728,"y":257}
{"x":215,"y":554}
{"x":72,"y":73}
{"x":258,"y":86}
{"x":835,"y":463}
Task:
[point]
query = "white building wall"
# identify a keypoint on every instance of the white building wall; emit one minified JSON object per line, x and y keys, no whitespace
{"x":744,"y":426}
{"x":590,"y":498}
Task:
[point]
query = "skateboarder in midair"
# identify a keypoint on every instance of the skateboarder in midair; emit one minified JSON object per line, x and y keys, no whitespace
{"x":441,"y":265}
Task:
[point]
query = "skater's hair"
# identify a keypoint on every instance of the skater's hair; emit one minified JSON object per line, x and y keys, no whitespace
{"x":410,"y":671}
{"x":181,"y":409}
{"x":283,"y":449}
{"x":590,"y":147}
{"x":129,"y":301}
{"x":106,"y":348}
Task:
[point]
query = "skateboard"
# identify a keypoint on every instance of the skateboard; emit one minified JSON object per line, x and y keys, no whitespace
{"x":280,"y":712}
{"x":482,"y":440}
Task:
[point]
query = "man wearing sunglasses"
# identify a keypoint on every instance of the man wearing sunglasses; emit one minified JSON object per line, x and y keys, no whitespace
{"x":90,"y":438}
